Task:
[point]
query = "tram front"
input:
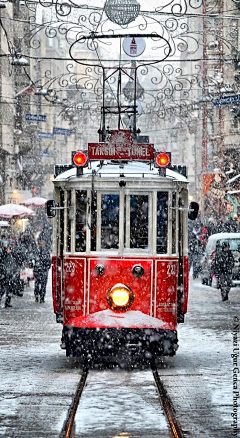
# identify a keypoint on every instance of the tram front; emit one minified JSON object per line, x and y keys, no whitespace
{"x":120,"y":266}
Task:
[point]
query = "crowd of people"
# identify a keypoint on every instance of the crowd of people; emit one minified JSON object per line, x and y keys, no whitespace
{"x":27,"y":251}
{"x":20,"y":254}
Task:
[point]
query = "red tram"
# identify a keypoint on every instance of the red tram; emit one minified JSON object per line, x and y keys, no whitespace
{"x":120,"y":264}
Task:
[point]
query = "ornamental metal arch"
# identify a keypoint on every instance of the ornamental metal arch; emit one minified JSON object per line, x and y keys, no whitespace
{"x":93,"y":28}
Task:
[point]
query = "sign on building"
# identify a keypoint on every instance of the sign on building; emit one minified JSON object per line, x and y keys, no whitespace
{"x":62,"y":131}
{"x":45,"y":135}
{"x":227,"y":100}
{"x":36,"y":117}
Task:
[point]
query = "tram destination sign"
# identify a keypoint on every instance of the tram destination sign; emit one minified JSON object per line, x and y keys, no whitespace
{"x":109,"y":151}
{"x":121,"y":147}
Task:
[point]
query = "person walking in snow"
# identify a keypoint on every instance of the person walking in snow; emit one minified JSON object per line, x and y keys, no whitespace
{"x":223,"y":266}
{"x":194,"y":248}
{"x":9,"y":273}
{"x":41,"y":268}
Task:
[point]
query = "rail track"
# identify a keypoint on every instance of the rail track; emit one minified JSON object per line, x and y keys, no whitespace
{"x":68,"y":429}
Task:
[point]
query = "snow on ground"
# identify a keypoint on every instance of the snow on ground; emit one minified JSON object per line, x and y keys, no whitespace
{"x":118,"y":402}
{"x":202,"y":371}
{"x":37,"y":381}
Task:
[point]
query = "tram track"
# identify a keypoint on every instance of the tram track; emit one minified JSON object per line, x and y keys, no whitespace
{"x":68,"y":425}
{"x":167,"y":405}
{"x":68,"y":429}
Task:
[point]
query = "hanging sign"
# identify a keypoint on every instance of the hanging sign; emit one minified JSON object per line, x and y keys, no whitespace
{"x":227,"y":100}
{"x":45,"y":135}
{"x":36,"y":117}
{"x":62,"y":131}
{"x":134,"y":46}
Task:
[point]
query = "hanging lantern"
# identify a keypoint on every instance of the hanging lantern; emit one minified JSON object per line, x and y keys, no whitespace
{"x":122,"y":11}
{"x":129,"y":89}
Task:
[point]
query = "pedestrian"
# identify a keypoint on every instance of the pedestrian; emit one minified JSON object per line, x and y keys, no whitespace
{"x":223,"y":266}
{"x":203,"y":237}
{"x":194,"y":248}
{"x":41,"y":267}
{"x":28,"y":244}
{"x":9,"y":273}
{"x":46,"y":235}
{"x":3,"y":244}
{"x":21,"y":257}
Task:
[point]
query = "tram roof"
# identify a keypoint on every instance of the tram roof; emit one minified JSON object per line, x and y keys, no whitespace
{"x":130,"y":169}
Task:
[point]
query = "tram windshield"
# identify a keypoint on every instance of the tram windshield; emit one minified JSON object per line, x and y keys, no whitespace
{"x":162,"y":222}
{"x":110,"y":221}
{"x":138,"y":221}
{"x":81,"y":220}
{"x":120,"y":221}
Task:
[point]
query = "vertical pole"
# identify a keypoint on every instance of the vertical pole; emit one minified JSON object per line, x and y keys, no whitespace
{"x":135,"y":99}
{"x":119,"y":97}
{"x":204,"y":110}
{"x":204,"y":107}
{"x":220,"y":140}
{"x":103,"y":135}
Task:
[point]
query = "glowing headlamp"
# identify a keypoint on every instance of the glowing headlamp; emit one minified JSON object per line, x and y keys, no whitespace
{"x":120,"y":297}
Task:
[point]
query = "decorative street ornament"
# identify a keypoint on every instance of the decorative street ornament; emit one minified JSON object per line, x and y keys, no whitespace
{"x":134,"y":46}
{"x":122,"y":11}
{"x":129,"y":90}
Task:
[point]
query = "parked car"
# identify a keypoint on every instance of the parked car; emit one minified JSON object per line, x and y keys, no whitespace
{"x":207,"y":262}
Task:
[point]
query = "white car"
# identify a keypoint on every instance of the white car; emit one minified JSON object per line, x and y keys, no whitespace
{"x":208,"y":258}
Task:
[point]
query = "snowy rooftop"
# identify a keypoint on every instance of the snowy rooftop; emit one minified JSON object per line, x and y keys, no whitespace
{"x":131,"y":169}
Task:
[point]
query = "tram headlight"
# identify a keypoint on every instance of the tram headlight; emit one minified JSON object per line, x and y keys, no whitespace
{"x":120,"y":297}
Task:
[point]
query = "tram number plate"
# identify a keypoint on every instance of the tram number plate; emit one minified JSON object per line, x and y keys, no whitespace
{"x":171,"y":269}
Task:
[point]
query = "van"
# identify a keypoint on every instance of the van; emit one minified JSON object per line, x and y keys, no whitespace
{"x":208,"y":259}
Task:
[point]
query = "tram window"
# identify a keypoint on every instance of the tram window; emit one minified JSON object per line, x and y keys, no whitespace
{"x":162,"y":222}
{"x":174,"y":222}
{"x":68,"y":237}
{"x":139,"y":221}
{"x":110,"y":222}
{"x":81,"y":220}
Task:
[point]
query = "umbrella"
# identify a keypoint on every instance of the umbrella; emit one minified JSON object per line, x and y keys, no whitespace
{"x":34,"y":202}
{"x":9,"y":211}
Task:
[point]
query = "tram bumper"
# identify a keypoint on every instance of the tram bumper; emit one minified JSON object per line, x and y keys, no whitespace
{"x":108,"y":333}
{"x":111,"y":341}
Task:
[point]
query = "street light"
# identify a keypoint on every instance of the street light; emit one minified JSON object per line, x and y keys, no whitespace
{"x":20,"y":60}
{"x":122,"y":11}
{"x":41,"y":91}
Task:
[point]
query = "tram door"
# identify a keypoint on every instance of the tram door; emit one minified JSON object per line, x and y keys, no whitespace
{"x":58,"y":280}
{"x":182,"y":208}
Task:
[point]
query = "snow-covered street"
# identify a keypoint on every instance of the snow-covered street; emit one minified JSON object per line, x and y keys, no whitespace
{"x":37,"y":382}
